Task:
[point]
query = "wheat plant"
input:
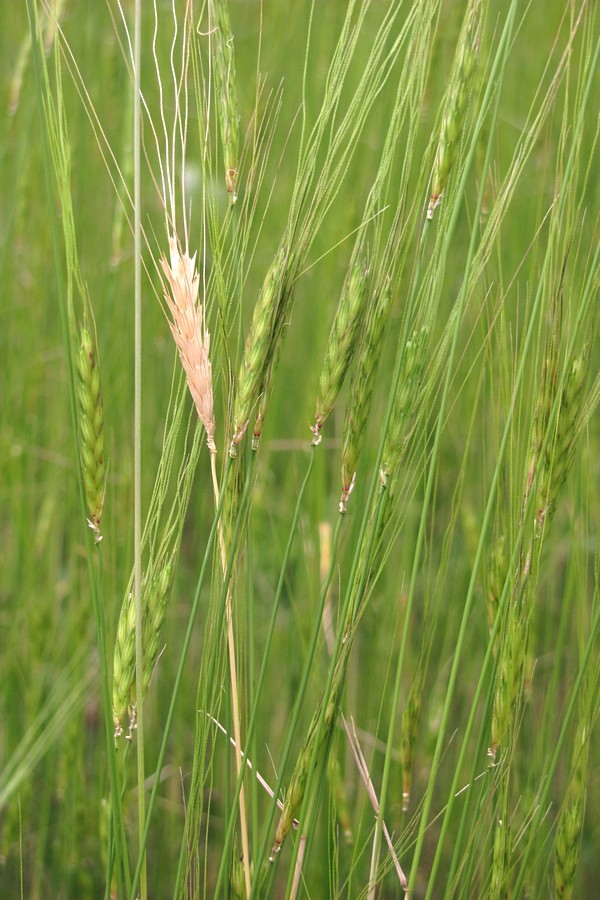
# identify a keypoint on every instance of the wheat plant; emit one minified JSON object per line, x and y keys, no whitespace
{"x":299,"y":442}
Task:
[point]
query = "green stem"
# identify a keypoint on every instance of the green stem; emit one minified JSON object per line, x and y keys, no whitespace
{"x":544,"y":795}
{"x":261,"y":679}
{"x":296,"y":711}
{"x":350,"y":614}
{"x":176,"y":686}
{"x":137,"y":446}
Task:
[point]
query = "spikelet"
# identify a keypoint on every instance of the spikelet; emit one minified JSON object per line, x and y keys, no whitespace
{"x":225,"y":89}
{"x":91,"y":429}
{"x":361,"y":389}
{"x":456,"y":102}
{"x":265,"y":396}
{"x":155,"y":596}
{"x":124,"y":664}
{"x":262,"y":342}
{"x":410,"y":724}
{"x":236,"y":882}
{"x":190,"y":334}
{"x":570,"y":822}
{"x":552,"y":468}
{"x":338,"y":792}
{"x":558,"y":457}
{"x":342,"y":342}
{"x":407,"y":397}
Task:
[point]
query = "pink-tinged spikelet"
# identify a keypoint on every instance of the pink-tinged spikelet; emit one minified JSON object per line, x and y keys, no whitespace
{"x":190,"y":334}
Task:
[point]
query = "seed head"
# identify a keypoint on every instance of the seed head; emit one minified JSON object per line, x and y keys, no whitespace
{"x":91,"y":429}
{"x":190,"y":334}
{"x":342,"y":342}
{"x":226,"y":93}
{"x":456,"y":102}
{"x":263,"y":340}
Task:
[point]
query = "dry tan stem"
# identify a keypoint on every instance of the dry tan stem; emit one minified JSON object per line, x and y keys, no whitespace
{"x":298,"y":867}
{"x":361,"y":764}
{"x":193,"y":342}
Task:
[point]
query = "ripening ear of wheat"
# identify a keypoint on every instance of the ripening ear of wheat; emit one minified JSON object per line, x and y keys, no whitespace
{"x":456,"y":102}
{"x":189,"y":332}
{"x":91,"y":429}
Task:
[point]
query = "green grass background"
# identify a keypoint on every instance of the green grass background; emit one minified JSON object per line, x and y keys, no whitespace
{"x":52,"y":750}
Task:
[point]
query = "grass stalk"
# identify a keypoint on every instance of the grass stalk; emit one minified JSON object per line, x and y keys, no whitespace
{"x":185,"y":646}
{"x":254,"y":711}
{"x":137,"y":441}
{"x":234,"y":688}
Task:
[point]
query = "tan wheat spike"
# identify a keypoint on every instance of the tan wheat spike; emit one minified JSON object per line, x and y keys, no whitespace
{"x":190,"y":334}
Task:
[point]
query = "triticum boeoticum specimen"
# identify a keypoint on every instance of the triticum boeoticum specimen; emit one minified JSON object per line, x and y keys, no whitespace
{"x":91,"y":429}
{"x":190,"y":333}
{"x":456,"y":101}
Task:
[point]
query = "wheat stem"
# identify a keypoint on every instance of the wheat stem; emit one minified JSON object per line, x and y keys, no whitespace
{"x":237,"y":734}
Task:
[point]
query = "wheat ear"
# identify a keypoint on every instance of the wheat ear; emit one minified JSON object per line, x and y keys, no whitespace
{"x":227,"y":107}
{"x":342,"y":342}
{"x":155,"y":595}
{"x":456,"y":102}
{"x":361,"y":388}
{"x":91,"y":429}
{"x":570,"y":821}
{"x":263,"y":338}
{"x":190,"y":333}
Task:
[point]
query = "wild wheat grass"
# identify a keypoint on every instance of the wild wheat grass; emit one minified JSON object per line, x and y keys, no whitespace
{"x":450,"y":617}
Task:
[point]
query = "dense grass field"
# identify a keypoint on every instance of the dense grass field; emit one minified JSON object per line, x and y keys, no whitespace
{"x":346,"y":548}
